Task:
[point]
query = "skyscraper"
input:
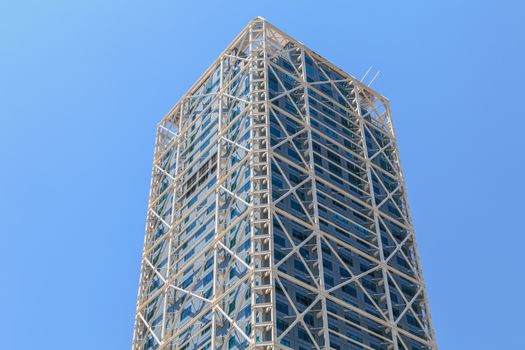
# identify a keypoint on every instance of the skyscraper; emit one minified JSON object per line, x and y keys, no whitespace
{"x":278,"y":216}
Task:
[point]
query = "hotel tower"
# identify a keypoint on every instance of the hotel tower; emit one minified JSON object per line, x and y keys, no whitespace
{"x":278,"y":216}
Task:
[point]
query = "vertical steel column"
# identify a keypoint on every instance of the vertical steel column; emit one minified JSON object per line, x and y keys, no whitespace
{"x":368,"y":165}
{"x":217,"y":208}
{"x":175,"y":205}
{"x":263,"y":322}
{"x":428,"y":317}
{"x":317,"y":228}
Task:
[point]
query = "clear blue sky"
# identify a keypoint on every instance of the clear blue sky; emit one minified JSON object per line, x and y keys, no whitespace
{"x":83,"y":83}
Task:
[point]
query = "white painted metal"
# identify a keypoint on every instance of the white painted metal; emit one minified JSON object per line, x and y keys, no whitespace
{"x":182,"y":163}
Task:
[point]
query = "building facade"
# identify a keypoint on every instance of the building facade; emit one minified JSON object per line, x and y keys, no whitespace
{"x":278,"y":216}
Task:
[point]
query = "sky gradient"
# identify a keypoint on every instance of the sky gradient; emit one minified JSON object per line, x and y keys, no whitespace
{"x":83,"y":84}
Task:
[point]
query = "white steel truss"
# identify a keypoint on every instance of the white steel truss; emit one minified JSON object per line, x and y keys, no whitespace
{"x":278,"y":216}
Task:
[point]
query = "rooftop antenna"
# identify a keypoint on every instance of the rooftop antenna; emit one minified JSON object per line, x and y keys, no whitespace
{"x":374,"y":78}
{"x":368,"y":71}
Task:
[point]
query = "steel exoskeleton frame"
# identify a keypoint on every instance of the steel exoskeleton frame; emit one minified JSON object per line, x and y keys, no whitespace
{"x":275,"y":167}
